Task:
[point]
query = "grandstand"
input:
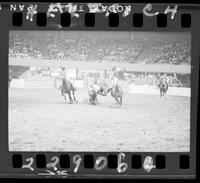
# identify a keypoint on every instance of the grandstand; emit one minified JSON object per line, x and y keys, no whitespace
{"x":137,"y":53}
{"x":122,"y":47}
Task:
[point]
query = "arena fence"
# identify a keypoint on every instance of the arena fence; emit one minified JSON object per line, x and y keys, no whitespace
{"x":145,"y":89}
{"x":132,"y":89}
{"x":104,"y":65}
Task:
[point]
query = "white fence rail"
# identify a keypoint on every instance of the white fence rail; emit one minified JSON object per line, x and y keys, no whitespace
{"x":104,"y":65}
{"x":144,"y":89}
{"x":135,"y":89}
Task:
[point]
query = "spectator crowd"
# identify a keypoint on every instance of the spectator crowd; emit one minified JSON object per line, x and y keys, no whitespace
{"x":96,"y":49}
{"x":22,"y":47}
{"x":173,"y":80}
{"x":172,"y":53}
{"x":99,"y":49}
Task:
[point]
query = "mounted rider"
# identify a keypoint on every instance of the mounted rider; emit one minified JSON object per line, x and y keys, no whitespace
{"x":163,"y":81}
{"x":63,"y":76}
{"x":114,"y":79}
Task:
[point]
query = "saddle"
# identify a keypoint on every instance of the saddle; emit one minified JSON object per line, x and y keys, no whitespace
{"x":67,"y":85}
{"x":64,"y":83}
{"x":116,"y":88}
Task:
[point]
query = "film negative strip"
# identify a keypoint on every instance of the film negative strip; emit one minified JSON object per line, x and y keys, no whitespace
{"x":99,"y":90}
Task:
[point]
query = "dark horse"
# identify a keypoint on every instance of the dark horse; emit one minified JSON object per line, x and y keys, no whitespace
{"x":68,"y":88}
{"x":163,"y":86}
{"x":116,"y":92}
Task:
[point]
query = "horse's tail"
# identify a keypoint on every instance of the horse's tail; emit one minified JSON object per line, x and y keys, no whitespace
{"x":72,"y":86}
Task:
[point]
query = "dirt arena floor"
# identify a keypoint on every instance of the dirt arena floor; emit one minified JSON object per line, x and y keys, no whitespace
{"x":39,"y":120}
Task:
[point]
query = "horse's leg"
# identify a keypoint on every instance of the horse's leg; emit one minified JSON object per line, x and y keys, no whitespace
{"x":71,"y":94}
{"x":70,"y":98}
{"x":91,"y":94}
{"x":118,"y":102}
{"x":62,"y":93}
{"x":160,"y":93}
{"x":165,"y":95}
{"x":90,"y":99}
{"x":94,"y":98}
{"x":74,"y":96}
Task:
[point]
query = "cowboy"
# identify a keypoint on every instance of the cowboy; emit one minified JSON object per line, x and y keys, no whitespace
{"x":97,"y":88}
{"x":63,"y":73}
{"x":163,"y":80}
{"x":92,"y":91}
{"x":114,"y":79}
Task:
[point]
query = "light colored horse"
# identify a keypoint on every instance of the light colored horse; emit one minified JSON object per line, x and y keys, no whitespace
{"x":117,"y":93}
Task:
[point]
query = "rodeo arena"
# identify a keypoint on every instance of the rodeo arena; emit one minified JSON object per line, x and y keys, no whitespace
{"x":99,"y":91}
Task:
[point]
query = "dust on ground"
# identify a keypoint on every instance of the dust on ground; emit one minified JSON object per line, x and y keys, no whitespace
{"x":39,"y":120}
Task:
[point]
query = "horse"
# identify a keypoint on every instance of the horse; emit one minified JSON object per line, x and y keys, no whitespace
{"x":68,"y":88}
{"x":163,"y":86}
{"x":116,"y":92}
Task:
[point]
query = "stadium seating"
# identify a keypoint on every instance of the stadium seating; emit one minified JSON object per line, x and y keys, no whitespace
{"x":79,"y":48}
